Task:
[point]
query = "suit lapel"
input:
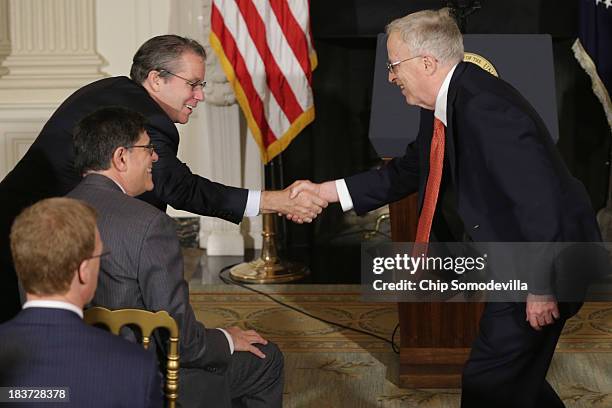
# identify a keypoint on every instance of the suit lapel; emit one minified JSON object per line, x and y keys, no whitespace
{"x":450,"y":111}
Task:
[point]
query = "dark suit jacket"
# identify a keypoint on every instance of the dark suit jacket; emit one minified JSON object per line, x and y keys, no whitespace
{"x":145,"y":271}
{"x":510,"y":183}
{"x":47,"y":169}
{"x":44,"y":347}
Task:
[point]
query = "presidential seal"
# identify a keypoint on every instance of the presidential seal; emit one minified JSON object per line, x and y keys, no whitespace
{"x":481,"y":61}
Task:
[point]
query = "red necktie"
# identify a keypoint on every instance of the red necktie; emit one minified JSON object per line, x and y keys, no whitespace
{"x":436,"y":161}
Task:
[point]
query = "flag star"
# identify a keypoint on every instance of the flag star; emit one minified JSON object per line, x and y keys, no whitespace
{"x":598,"y":1}
{"x":608,"y":3}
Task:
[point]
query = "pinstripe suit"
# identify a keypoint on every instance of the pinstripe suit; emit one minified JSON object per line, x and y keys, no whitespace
{"x":145,"y":271}
{"x":46,"y":347}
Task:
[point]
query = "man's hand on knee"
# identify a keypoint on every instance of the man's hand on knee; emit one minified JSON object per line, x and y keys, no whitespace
{"x":244,"y":340}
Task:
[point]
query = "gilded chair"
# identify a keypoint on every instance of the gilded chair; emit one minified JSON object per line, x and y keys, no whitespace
{"x":147,"y":322}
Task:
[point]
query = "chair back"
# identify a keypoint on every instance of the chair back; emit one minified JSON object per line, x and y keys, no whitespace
{"x":147,"y":322}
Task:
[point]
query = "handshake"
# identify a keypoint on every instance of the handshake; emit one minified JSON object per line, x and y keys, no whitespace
{"x":300,"y":202}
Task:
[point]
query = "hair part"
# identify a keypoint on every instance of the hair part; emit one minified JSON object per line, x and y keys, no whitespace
{"x":430,"y":32}
{"x":162,"y":53}
{"x":49,"y":240}
{"x":99,"y":134}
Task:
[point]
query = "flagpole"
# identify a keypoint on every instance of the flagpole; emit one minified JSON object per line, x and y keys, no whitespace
{"x":269,"y":267}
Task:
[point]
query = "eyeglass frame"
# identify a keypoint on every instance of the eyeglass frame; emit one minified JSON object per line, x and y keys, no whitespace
{"x":192,"y":84}
{"x":100,"y":255}
{"x":392,"y":65}
{"x":150,"y":147}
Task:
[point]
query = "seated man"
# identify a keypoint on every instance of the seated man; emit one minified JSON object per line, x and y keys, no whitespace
{"x":57,"y":249}
{"x":145,"y":267}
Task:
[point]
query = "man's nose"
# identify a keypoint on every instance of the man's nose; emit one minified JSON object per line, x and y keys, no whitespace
{"x":199,"y":93}
{"x":154,"y":157}
{"x":391,"y":77}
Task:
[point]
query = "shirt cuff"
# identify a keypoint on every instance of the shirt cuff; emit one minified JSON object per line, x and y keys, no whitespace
{"x":343,"y":194}
{"x":252,"y":204}
{"x":229,"y":339}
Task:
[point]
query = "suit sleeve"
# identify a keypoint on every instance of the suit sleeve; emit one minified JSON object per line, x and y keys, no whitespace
{"x":177,"y":186}
{"x":523,"y":165}
{"x":393,"y":181}
{"x":164,"y":288}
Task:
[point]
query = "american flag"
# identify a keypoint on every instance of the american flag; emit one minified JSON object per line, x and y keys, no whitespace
{"x":265,"y":48}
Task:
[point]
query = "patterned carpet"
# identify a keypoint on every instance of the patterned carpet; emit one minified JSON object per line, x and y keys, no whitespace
{"x":330,"y":367}
{"x":589,"y":331}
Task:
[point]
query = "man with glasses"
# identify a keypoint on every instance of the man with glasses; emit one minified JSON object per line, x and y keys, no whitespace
{"x":486,"y":170}
{"x":166,"y":85}
{"x":145,"y":268}
{"x":57,"y":251}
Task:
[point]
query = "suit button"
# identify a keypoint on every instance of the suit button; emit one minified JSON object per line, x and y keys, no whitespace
{"x":476,"y":226}
{"x":211,"y":369}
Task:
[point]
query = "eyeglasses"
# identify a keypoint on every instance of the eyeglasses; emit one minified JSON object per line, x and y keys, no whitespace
{"x":99,"y":255}
{"x":391,"y":65}
{"x":149,"y":146}
{"x":193,"y":84}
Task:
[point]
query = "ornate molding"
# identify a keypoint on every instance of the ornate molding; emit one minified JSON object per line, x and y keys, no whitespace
{"x":5,"y":39}
{"x":52,"y":45}
{"x":219,"y":92}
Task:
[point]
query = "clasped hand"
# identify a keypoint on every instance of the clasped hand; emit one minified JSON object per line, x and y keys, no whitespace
{"x":300,"y":202}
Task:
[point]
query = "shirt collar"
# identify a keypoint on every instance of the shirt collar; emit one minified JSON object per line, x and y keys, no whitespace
{"x":108,"y":177}
{"x":53,"y":304}
{"x":442,"y":98}
{"x":120,"y":186}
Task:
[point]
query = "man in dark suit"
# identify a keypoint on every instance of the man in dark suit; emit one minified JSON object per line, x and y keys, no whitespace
{"x":145,"y":267}
{"x":489,"y":172}
{"x":167,"y":81}
{"x":57,"y":249}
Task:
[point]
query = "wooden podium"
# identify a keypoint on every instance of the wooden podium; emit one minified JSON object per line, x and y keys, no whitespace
{"x":435,"y":338}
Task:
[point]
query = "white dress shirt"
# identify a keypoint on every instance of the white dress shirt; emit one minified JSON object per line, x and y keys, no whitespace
{"x":53,"y":304}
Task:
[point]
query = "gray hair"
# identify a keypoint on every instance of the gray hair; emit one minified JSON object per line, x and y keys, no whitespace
{"x":162,"y":53}
{"x":432,"y":32}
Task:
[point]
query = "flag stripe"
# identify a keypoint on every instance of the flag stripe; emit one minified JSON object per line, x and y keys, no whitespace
{"x":251,"y":73}
{"x":275,"y":79}
{"x":265,"y":50}
{"x":240,"y":77}
{"x":256,"y":69}
{"x":293,"y":30}
{"x":283,"y":55}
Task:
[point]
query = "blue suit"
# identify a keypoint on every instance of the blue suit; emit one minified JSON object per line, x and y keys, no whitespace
{"x":45,"y":347}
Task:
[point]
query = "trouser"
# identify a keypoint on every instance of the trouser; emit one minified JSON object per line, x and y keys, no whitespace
{"x":249,"y":382}
{"x":509,"y":360}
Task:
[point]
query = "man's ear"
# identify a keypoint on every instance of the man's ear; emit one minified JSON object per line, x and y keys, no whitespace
{"x":431,"y":64}
{"x":82,"y":273}
{"x":119,"y":160}
{"x":153,"y":80}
